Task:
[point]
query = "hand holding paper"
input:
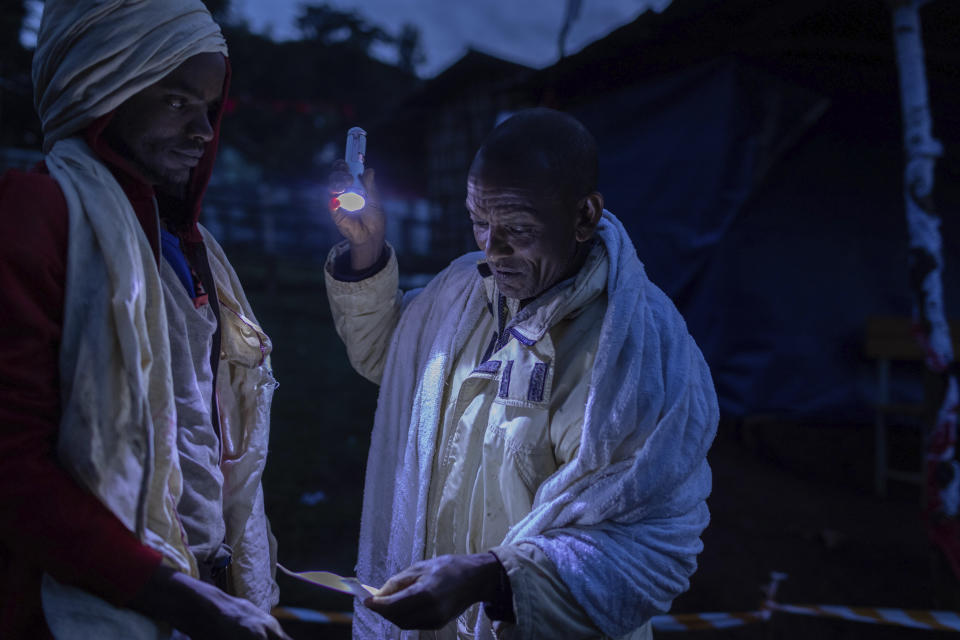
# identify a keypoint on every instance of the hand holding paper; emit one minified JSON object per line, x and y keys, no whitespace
{"x":333,"y":581}
{"x":430,"y":593}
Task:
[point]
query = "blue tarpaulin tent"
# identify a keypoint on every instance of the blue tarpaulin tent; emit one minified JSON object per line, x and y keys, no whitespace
{"x":762,"y":185}
{"x":754,"y":152}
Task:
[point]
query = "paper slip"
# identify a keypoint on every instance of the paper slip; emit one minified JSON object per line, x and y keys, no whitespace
{"x":333,"y":581}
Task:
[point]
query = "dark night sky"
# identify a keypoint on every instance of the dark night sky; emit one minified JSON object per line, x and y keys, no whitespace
{"x":522,"y":31}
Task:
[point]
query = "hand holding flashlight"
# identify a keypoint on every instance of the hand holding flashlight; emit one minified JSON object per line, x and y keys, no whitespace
{"x":354,"y":197}
{"x":363,"y":227}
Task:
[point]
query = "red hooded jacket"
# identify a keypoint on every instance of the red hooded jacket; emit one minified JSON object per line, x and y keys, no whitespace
{"x":49,"y":523}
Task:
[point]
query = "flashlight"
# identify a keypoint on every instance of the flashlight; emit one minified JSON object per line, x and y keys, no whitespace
{"x":354,"y":198}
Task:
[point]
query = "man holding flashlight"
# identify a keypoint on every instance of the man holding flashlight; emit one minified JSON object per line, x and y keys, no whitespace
{"x":538,"y":460}
{"x":134,"y":381}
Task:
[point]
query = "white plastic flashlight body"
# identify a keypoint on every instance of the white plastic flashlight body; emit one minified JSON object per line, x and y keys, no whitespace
{"x":356,"y":151}
{"x":354,"y":198}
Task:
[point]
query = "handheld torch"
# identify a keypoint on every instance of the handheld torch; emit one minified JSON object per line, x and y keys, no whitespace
{"x":354,"y":198}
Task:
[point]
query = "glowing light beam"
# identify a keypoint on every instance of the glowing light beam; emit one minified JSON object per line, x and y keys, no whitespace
{"x":351,"y":201}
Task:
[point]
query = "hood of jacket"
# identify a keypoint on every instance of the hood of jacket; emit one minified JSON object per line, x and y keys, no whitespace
{"x":182,"y":215}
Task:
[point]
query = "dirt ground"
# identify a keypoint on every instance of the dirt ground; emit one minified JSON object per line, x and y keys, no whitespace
{"x":789,"y":497}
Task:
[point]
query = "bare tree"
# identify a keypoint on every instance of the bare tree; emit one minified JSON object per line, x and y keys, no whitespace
{"x":570,"y":16}
{"x":409,"y":50}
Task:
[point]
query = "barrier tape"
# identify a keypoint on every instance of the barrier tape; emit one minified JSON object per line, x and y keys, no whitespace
{"x":916,"y":619}
{"x":930,"y":620}
{"x":309,"y":615}
{"x":933,"y":620}
{"x":700,"y":621}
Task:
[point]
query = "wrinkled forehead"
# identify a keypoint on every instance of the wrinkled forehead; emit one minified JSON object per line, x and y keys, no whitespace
{"x":498,"y":196}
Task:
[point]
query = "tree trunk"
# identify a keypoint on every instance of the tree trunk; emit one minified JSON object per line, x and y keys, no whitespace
{"x":942,"y":472}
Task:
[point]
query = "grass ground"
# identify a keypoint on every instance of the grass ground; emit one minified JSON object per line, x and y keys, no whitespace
{"x":787,"y":497}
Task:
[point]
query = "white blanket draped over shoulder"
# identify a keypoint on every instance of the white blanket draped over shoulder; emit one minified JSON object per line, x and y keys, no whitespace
{"x":118,"y":427}
{"x":622,"y":521}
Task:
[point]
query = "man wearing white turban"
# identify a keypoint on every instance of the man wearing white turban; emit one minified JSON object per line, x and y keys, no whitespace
{"x":135,"y":382}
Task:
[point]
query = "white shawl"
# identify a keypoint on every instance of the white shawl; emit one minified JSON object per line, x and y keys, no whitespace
{"x":622,"y":521}
{"x":118,"y":426}
{"x":118,"y":414}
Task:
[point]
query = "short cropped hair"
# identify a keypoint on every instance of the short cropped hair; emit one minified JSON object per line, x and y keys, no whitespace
{"x":546,"y":146}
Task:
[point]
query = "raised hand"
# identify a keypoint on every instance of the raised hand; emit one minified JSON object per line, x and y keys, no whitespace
{"x":364,"y":229}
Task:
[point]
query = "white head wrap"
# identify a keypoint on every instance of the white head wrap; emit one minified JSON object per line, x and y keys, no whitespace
{"x":92,"y":55}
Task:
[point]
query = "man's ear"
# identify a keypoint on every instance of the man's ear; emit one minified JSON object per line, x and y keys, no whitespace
{"x":589,"y":212}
